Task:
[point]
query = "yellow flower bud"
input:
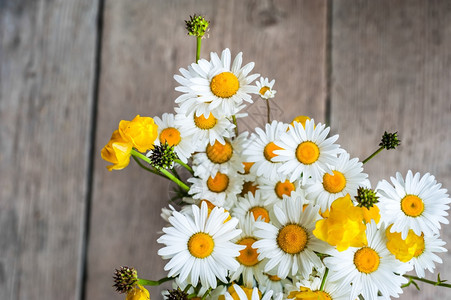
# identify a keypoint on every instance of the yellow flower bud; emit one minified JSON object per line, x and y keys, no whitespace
{"x":141,"y":132}
{"x":344,"y":227}
{"x":138,"y":293}
{"x":117,"y":152}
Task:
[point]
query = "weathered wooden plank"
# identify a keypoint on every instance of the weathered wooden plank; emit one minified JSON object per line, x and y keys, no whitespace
{"x":144,"y":44}
{"x":47,"y":55}
{"x":391,"y":69}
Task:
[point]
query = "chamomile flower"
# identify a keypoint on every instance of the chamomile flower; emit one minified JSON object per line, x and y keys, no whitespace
{"x":306,"y":151}
{"x":226,"y":85}
{"x":261,"y":147}
{"x":370,"y":269}
{"x":274,"y":190}
{"x":330,"y":290}
{"x":288,"y":242}
{"x":199,"y":246}
{"x":250,"y":266}
{"x":224,"y":158}
{"x":175,"y":136}
{"x":204,"y":128}
{"x":425,"y":257}
{"x":414,"y":203}
{"x":254,"y":204}
{"x":221,"y":190}
{"x":346,"y":179}
{"x":265,"y":88}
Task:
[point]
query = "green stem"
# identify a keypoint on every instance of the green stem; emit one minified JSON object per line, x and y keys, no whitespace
{"x":199,"y":42}
{"x":153,"y":283}
{"x":206,"y":294}
{"x":323,"y":282}
{"x":184,"y":165}
{"x":373,"y":155}
{"x":146,"y":168}
{"x":436,"y":283}
{"x":268,"y":111}
{"x":164,"y":171}
{"x":236,"y":125}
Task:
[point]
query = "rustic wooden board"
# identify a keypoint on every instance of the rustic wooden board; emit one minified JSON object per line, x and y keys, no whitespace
{"x":391,"y":70}
{"x":144,"y":44}
{"x":47,"y":58}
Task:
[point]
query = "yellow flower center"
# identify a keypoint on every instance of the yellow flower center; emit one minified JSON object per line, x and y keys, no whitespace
{"x":248,"y":256}
{"x":224,"y":85}
{"x":249,"y":186}
{"x":205,"y":123}
{"x":268,"y":152}
{"x":247,"y":167}
{"x":334,"y":183}
{"x":300,"y":119}
{"x":219,"y":183}
{"x":171,"y":136}
{"x":292,"y":239}
{"x":412,"y":205}
{"x":273,"y":277}
{"x":366,"y":260}
{"x":284,"y":188}
{"x":263,"y":90}
{"x":219,"y":153}
{"x":201,"y":245}
{"x":307,"y":153}
{"x":259,"y":211}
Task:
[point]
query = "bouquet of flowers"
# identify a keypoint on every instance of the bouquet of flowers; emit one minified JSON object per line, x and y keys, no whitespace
{"x":280,"y":213}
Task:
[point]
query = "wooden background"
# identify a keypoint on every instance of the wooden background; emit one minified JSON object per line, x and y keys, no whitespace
{"x":71,"y":70}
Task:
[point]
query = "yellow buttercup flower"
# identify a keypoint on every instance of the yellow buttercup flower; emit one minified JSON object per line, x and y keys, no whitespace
{"x":117,"y":152}
{"x":344,"y":227}
{"x":141,"y":132}
{"x":404,"y":250}
{"x":138,"y":293}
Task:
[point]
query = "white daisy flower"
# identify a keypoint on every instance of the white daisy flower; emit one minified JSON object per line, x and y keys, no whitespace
{"x":169,"y":132}
{"x":261,"y":147}
{"x":370,"y":269}
{"x":425,"y":257}
{"x":346,"y":179}
{"x":264,"y":88}
{"x":241,"y":293}
{"x":250,"y":265}
{"x":221,"y":190}
{"x":274,"y":190}
{"x":306,"y":151}
{"x":330,"y":289}
{"x":416,"y":203}
{"x":204,"y":129}
{"x":290,"y":243}
{"x":199,"y":246}
{"x":226,"y":85}
{"x":224,"y":158}
{"x":252,"y":203}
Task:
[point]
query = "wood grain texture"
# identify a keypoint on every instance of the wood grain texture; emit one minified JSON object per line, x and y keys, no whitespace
{"x":144,"y":44}
{"x":47,"y":55}
{"x":391,"y":70}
